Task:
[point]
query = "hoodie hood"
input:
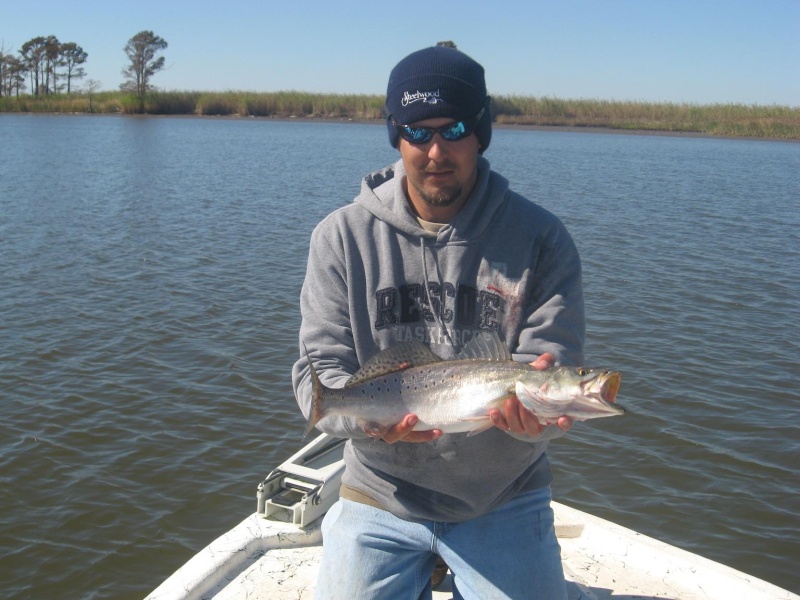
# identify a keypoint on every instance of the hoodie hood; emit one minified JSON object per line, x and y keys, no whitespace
{"x":383,"y":195}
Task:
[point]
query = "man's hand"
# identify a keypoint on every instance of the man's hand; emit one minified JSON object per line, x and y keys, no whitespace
{"x":518,"y":419}
{"x":404,"y":432}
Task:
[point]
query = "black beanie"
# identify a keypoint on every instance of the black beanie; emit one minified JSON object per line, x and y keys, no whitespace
{"x":437,"y":82}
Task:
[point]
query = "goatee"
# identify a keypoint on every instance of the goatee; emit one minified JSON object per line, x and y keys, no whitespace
{"x":439,"y":198}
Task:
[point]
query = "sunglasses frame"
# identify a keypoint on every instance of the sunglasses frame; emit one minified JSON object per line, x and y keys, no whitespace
{"x":407,"y":132}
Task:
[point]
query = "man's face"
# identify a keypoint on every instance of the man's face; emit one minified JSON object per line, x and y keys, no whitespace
{"x":440,"y":174}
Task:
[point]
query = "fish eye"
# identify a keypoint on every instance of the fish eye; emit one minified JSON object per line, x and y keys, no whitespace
{"x":581,"y":371}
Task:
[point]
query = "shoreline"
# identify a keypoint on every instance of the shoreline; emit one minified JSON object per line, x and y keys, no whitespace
{"x":594,"y":129}
{"x":722,"y":120}
{"x":495,"y":125}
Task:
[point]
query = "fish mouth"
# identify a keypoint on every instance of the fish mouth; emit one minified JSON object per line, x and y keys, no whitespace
{"x":609,"y":386}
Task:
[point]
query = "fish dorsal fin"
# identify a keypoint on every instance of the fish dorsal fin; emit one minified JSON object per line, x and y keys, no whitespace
{"x":397,"y":358}
{"x":486,"y":345}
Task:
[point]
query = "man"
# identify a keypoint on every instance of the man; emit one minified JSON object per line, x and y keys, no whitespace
{"x":437,"y":248}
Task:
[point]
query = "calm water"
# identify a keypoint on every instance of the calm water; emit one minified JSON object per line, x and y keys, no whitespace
{"x":149,"y":276}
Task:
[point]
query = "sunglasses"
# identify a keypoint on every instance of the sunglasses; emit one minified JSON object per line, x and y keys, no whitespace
{"x":452,"y":132}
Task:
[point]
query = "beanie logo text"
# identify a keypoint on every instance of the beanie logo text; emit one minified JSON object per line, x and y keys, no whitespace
{"x":426,"y":97}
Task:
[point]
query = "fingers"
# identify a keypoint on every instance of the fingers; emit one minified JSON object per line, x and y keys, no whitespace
{"x":422,"y":436}
{"x":520,"y":419}
{"x":517,"y":419}
{"x":565,"y":423}
{"x":498,"y":419}
{"x":404,"y":431}
{"x":545,"y":361}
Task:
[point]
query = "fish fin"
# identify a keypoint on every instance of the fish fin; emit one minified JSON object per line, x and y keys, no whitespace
{"x":396,"y":358}
{"x":317,"y":410}
{"x":486,"y":345}
{"x":484,"y":423}
{"x":371,"y":428}
{"x":530,"y":397}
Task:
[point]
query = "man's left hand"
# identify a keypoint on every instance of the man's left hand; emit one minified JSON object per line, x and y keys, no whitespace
{"x":518,"y":419}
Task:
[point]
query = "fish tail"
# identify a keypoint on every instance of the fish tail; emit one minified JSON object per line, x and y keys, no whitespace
{"x":317,"y":410}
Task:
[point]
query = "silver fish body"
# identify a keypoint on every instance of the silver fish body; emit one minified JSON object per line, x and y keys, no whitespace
{"x":457,"y":395}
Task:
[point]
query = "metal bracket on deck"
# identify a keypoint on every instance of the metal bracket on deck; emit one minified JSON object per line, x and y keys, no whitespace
{"x":305,"y":486}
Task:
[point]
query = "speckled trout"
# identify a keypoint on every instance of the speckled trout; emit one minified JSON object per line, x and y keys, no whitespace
{"x":457,"y":395}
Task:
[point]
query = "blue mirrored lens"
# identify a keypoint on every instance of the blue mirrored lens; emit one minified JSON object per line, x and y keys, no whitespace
{"x":422,"y":135}
{"x":417,"y":135}
{"x":454,"y":131}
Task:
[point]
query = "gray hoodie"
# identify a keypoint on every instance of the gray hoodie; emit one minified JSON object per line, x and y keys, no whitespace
{"x":376,"y":278}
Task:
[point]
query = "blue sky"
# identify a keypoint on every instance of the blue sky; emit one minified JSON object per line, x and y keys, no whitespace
{"x":697,"y":51}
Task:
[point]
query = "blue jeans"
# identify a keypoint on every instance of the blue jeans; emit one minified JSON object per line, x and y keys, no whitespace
{"x":510,"y":553}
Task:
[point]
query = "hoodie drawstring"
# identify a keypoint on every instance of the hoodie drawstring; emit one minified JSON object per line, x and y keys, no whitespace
{"x":437,"y":313}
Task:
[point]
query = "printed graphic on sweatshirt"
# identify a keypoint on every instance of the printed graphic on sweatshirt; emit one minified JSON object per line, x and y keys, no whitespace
{"x":508,"y":289}
{"x":449,"y":314}
{"x":462,"y":306}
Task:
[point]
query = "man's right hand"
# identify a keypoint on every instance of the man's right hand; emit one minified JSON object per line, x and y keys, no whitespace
{"x":404,"y":432}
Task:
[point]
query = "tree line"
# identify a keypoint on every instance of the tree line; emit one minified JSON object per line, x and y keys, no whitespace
{"x":45,"y":66}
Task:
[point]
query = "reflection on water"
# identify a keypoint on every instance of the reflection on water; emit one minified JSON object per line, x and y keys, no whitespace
{"x":151,"y":269}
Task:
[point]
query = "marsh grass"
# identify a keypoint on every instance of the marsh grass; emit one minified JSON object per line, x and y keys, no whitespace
{"x":100,"y":102}
{"x":714,"y":119}
{"x":738,"y":120}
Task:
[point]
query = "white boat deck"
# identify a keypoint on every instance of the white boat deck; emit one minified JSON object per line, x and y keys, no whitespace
{"x":262,"y":559}
{"x":274,"y":553}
